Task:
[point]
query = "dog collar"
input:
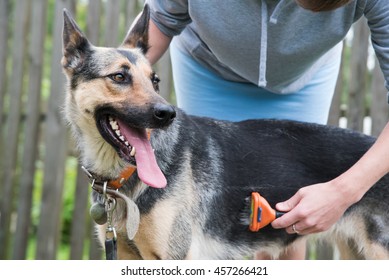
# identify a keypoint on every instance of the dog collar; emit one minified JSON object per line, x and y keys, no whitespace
{"x":123,"y":178}
{"x":114,"y":183}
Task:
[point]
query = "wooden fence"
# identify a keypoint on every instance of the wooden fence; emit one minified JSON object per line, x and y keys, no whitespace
{"x":44,"y":198}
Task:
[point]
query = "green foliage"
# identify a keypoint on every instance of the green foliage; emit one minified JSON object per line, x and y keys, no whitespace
{"x":68,"y":198}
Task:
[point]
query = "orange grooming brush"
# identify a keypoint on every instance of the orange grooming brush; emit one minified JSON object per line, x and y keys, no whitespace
{"x":261,"y":213}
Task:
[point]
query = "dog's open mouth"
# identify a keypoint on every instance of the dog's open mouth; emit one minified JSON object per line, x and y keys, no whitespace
{"x":133,"y":146}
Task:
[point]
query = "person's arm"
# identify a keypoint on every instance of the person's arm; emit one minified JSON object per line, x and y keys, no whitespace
{"x":317,"y":207}
{"x":158,"y":43}
{"x":168,"y":18}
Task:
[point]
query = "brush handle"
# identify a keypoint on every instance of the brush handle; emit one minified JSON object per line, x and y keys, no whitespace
{"x":279,"y":214}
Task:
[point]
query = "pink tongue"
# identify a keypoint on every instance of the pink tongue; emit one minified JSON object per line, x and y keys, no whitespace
{"x":147,"y":167}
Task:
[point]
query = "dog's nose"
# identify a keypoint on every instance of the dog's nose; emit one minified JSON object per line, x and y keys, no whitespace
{"x":164,"y":114}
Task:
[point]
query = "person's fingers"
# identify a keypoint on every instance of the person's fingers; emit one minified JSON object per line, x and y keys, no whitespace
{"x":289,"y":204}
{"x":291,"y":217}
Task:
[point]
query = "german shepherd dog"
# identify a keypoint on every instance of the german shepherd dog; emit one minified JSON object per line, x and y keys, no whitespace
{"x":193,"y":174}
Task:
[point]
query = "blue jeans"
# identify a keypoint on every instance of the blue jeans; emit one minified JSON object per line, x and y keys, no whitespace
{"x":201,"y":92}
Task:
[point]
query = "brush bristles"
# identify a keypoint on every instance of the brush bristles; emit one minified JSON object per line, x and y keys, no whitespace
{"x":246,"y":212}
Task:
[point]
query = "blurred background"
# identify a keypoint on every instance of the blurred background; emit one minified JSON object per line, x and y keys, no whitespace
{"x":44,"y":197}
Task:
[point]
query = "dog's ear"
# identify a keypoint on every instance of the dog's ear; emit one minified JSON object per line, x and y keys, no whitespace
{"x":75,"y":44}
{"x":137,"y":36}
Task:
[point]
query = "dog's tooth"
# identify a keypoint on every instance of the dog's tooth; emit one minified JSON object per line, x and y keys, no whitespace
{"x":121,"y":138}
{"x":126,"y":143}
{"x":133,"y":152}
{"x":118,"y":133}
{"x":114,"y":125}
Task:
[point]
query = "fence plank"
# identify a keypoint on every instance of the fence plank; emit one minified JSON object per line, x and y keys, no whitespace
{"x":358,"y":64}
{"x":379,"y":107}
{"x":38,"y":31}
{"x":132,"y":10}
{"x":12,"y":126}
{"x":4,"y":11}
{"x":95,"y":250}
{"x":164,"y":71}
{"x":335,"y":110}
{"x":79,"y":217}
{"x":56,"y":147}
{"x":93,"y":21}
{"x":112,"y":24}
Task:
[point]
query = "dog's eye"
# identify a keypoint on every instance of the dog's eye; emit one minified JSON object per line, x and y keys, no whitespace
{"x":155,"y":80}
{"x":119,"y":78}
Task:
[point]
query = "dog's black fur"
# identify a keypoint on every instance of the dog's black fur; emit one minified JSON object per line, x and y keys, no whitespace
{"x":211,"y":166}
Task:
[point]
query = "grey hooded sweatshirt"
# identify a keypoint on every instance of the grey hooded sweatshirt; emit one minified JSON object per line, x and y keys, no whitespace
{"x":275,"y":44}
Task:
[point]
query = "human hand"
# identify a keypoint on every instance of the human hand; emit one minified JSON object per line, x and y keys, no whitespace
{"x":312,"y":209}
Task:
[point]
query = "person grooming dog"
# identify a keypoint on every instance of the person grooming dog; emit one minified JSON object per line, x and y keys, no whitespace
{"x":183,"y":183}
{"x":237,"y":60}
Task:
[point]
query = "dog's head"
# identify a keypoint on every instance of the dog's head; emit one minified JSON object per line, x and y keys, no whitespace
{"x":112,"y":100}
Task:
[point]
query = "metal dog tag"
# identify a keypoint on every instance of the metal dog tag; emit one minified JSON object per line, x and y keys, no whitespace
{"x":98,"y":213}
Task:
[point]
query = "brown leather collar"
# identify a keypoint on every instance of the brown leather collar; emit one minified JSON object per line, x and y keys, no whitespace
{"x":123,"y":177}
{"x":114,"y":183}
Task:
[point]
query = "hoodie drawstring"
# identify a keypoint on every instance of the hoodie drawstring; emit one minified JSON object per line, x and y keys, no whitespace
{"x":262,"y":82}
